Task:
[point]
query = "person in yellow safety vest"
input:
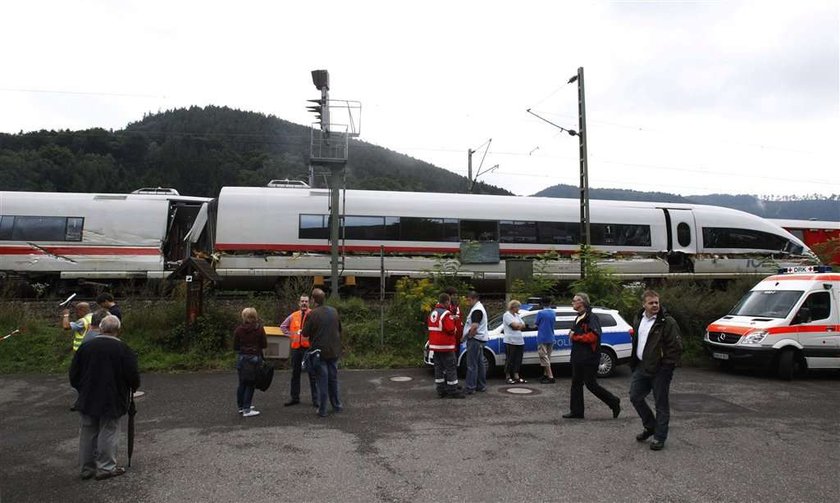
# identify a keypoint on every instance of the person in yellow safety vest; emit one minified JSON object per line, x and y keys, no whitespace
{"x":79,"y":327}
{"x":291,"y":327}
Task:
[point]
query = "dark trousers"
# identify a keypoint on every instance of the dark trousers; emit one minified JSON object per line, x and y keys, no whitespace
{"x":296,"y":356}
{"x":640,"y":386}
{"x":446,"y":375}
{"x":246,"y":365}
{"x":513,"y":359}
{"x":476,"y":371}
{"x":585,"y":374}
{"x":327,"y":372}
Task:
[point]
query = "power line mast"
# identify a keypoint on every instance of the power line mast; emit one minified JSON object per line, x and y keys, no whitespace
{"x":328,"y":147}
{"x":583,"y":136}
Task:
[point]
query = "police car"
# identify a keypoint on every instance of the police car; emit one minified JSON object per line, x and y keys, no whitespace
{"x":616,"y":344}
{"x":788,"y":322}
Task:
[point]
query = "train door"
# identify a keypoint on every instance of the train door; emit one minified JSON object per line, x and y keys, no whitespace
{"x":186,"y":224}
{"x":682,"y":239}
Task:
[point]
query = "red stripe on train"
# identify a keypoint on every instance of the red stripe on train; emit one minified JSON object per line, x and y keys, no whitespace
{"x":78,"y":250}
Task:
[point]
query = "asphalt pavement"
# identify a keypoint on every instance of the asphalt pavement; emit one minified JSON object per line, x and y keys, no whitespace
{"x":734,"y":437}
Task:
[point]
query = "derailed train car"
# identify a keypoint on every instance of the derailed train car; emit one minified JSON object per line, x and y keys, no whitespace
{"x":258,"y":235}
{"x":61,"y":239}
{"x":269,"y":232}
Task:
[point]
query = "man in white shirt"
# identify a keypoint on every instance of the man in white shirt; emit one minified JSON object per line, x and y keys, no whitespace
{"x":657,"y":347}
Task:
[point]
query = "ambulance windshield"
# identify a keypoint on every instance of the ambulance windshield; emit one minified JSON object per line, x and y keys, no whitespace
{"x":767,"y":303}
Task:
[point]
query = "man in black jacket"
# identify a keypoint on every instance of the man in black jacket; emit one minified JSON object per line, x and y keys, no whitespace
{"x":104,"y":372}
{"x":657,"y":347}
{"x":323,"y":329}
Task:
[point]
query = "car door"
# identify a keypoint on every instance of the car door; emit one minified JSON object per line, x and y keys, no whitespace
{"x":529,"y":334}
{"x":816,"y":330}
{"x":563,"y":323}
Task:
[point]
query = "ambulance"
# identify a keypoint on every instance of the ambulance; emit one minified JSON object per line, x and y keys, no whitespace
{"x":787,"y":323}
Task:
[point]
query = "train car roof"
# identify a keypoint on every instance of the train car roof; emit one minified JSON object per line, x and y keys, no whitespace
{"x":433,"y":198}
{"x":101,"y":196}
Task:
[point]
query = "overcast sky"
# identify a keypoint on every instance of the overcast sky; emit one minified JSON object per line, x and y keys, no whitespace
{"x":685,"y":97}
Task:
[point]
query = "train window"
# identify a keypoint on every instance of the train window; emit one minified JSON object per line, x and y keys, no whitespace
{"x":6,"y":225}
{"x":450,"y":230}
{"x":479,"y":230}
{"x":370,"y":228}
{"x":392,"y":228}
{"x":727,"y":237}
{"x":34,"y":228}
{"x":511,"y":231}
{"x":683,"y":234}
{"x":620,"y":234}
{"x":74,"y":229}
{"x":558,"y":233}
{"x":421,"y":229}
{"x":314,"y":227}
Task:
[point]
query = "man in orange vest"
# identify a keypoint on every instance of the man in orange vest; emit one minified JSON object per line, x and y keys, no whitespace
{"x":291,"y":327}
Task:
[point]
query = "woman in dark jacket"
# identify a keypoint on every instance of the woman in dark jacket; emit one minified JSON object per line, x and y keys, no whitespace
{"x":586,"y":355}
{"x":249,"y":341}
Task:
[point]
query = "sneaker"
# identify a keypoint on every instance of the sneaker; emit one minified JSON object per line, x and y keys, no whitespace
{"x":293,"y":401}
{"x":548,"y":380}
{"x":644,"y":435}
{"x":657,"y":445}
{"x":251,"y":413}
{"x":512,"y":381}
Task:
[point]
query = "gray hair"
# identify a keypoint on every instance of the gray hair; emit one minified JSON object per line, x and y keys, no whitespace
{"x":110,"y":325}
{"x":98,"y":316}
{"x":584,"y":298}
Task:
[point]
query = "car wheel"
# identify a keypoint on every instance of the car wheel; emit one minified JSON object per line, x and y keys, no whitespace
{"x":606,"y":367}
{"x":787,"y":365}
{"x":489,"y":363}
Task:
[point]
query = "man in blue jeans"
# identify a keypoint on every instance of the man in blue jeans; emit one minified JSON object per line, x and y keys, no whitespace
{"x":657,"y":348}
{"x":323,"y":329}
{"x":476,"y":335}
{"x":545,"y":339}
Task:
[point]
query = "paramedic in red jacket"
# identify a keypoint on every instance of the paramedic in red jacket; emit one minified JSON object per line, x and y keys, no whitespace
{"x":586,"y":355}
{"x":443,"y":341}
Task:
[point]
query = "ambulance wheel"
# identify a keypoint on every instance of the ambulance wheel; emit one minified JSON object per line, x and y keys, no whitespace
{"x":787,"y":365}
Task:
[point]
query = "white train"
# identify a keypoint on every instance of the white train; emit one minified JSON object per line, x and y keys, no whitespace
{"x":264,"y":233}
{"x":97,"y":237}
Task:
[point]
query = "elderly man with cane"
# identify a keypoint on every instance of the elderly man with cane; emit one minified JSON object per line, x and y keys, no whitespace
{"x":104,"y":372}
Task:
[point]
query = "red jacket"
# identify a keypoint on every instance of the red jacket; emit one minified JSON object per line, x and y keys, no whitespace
{"x":442,"y":330}
{"x":455,"y":310}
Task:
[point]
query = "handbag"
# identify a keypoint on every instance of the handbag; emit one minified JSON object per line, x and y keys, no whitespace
{"x":311,"y":360}
{"x":263,"y":375}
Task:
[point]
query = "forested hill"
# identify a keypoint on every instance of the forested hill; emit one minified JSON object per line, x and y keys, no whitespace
{"x":198,"y":151}
{"x":815,"y":207}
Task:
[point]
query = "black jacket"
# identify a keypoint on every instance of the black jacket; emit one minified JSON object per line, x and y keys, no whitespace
{"x":664,"y":343}
{"x":104,"y":372}
{"x":323,"y":327}
{"x":586,"y":339}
